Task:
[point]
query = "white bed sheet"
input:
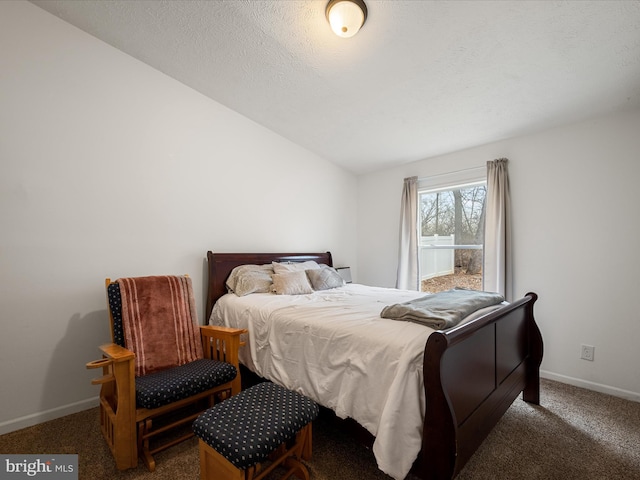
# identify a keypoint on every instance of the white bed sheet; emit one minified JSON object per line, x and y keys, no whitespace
{"x":334,"y":347}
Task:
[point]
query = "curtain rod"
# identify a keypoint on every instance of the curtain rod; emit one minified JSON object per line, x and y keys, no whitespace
{"x":451,"y":173}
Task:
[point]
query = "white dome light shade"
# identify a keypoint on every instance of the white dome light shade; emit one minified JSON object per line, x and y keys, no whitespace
{"x":346,"y":17}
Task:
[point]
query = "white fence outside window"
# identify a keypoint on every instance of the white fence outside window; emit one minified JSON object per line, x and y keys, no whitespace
{"x":437,"y":255}
{"x":435,"y":262}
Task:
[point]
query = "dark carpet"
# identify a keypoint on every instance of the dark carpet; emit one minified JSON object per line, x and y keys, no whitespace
{"x":574,"y":434}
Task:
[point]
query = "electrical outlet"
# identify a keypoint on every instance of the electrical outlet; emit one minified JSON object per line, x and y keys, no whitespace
{"x":587,"y":352}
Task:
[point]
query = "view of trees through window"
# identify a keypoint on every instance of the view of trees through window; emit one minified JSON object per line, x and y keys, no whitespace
{"x":452,"y":237}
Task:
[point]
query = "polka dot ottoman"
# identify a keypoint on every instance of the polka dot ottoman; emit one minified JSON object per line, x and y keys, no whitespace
{"x":264,"y":422}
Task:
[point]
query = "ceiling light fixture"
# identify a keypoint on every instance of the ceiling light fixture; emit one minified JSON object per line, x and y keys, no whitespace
{"x":346,"y":17}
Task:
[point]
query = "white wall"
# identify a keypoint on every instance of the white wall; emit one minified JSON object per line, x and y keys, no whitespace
{"x":110,"y":168}
{"x":576,"y":229}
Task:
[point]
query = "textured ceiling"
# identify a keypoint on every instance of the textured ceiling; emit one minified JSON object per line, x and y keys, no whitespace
{"x":421,"y":78}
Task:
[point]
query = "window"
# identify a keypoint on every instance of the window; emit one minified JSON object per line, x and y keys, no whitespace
{"x":451,"y":241}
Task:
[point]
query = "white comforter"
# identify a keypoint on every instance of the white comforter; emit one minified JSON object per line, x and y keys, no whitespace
{"x":334,"y":347}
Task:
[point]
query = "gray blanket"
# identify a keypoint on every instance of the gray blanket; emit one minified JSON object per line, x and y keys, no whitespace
{"x":442,"y":310}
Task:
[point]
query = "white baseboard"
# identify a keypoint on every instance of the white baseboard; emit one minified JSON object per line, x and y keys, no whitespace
{"x":597,"y":387}
{"x":40,"y":417}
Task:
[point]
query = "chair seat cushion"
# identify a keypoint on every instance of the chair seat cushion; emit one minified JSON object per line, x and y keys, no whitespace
{"x":173,"y":384}
{"x":247,"y":427}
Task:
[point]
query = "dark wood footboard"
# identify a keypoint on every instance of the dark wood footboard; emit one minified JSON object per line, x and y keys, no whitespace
{"x":472,"y":375}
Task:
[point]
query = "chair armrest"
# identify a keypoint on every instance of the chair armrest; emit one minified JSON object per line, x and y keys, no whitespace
{"x":118,"y":402}
{"x":118,"y":380}
{"x":220,"y":332}
{"x":112,"y":364}
{"x":116,"y":352}
{"x":215,"y":330}
{"x":223,"y":343}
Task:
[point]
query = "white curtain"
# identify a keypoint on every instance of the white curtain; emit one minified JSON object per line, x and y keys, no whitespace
{"x":408,"y":264}
{"x":497,"y":237}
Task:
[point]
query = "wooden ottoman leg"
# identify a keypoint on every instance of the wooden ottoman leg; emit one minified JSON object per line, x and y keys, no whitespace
{"x":306,"y":443}
{"x":215,"y":466}
{"x":296,"y":468}
{"x":301,"y":450}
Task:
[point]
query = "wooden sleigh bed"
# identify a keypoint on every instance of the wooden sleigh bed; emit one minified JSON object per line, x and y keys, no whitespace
{"x":472,"y":373}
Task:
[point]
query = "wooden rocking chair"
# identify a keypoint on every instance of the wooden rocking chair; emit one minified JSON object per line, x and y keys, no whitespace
{"x":160,"y":366}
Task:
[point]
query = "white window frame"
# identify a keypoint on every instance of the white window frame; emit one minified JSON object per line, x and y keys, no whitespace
{"x":445,"y":182}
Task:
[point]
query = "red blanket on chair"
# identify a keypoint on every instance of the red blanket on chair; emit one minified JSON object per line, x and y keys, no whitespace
{"x":160,"y":322}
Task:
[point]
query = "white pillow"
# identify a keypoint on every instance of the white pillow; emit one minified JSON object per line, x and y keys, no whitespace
{"x":291,"y":283}
{"x":325,"y":278}
{"x":247,"y":279}
{"x":285,"y":267}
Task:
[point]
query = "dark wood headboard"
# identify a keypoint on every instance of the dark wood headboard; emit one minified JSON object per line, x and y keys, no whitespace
{"x":221,"y":264}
